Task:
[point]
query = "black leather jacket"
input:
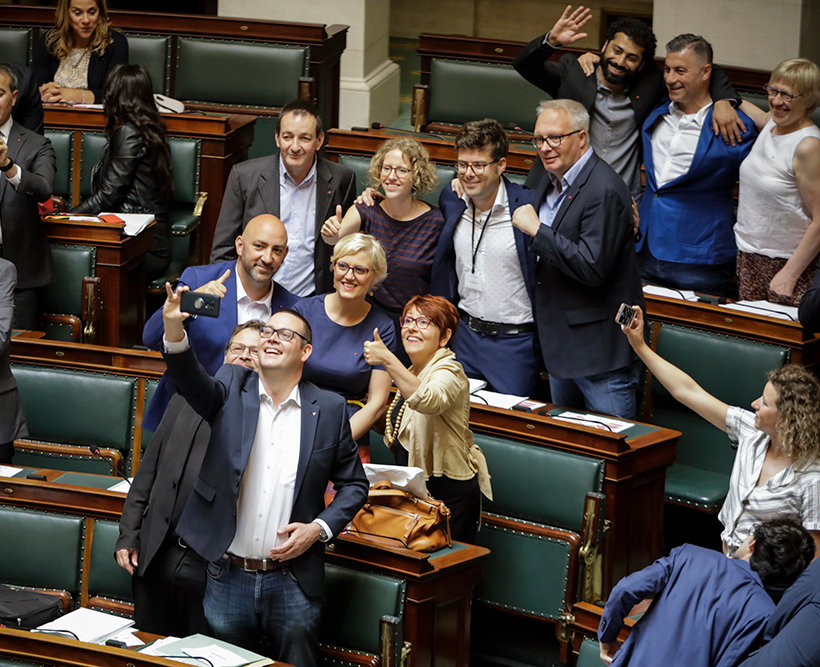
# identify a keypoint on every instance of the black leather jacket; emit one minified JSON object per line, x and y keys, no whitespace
{"x":125,"y":181}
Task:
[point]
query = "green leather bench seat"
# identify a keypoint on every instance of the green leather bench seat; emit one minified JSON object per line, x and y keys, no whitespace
{"x":730,"y":368}
{"x":153,"y":52}
{"x":73,"y":407}
{"x":41,"y":549}
{"x":463,"y":91}
{"x":589,"y":655}
{"x":92,"y":147}
{"x":15,"y":45}
{"x":106,"y":579}
{"x":354,"y":604}
{"x":62,"y":141}
{"x":65,"y":296}
{"x":360,"y":165}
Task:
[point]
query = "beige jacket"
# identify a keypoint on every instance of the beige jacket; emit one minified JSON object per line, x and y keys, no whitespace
{"x":435,"y":427}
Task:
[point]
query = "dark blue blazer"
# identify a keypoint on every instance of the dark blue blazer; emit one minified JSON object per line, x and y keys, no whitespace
{"x":230,"y":403}
{"x":793,"y":630}
{"x":444,"y":281}
{"x":708,"y":611}
{"x":207,"y":335}
{"x":587,"y":268}
{"x":690,"y":219}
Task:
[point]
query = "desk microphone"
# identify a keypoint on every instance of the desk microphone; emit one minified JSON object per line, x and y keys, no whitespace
{"x":96,"y":452}
{"x":379,"y":126}
{"x":514,"y":128}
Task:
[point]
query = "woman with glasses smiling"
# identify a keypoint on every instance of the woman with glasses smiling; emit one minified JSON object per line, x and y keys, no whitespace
{"x":428,"y":423}
{"x":778,"y":215}
{"x":407,"y":227}
{"x":342,"y":321}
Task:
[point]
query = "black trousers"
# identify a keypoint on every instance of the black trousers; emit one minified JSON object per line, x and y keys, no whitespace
{"x":168,"y":595}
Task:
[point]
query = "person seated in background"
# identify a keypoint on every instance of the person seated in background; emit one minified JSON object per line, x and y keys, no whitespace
{"x":428,"y":423}
{"x":791,"y":638}
{"x":13,"y":424}
{"x":778,"y":212}
{"x":135,"y":174}
{"x":407,"y":228}
{"x":28,"y":107}
{"x":777,"y":465}
{"x":247,"y":290}
{"x":169,"y":578}
{"x":73,"y":60}
{"x":342,"y":321}
{"x":687,"y":214}
{"x":708,"y":610}
{"x":300,"y":188}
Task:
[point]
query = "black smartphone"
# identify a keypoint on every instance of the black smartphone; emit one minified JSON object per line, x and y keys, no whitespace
{"x":626,"y":315}
{"x":200,"y":303}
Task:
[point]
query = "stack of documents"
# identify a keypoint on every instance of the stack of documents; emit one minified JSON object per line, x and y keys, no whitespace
{"x":87,"y":625}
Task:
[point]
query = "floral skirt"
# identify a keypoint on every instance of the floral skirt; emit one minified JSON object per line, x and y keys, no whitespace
{"x":755,"y":272}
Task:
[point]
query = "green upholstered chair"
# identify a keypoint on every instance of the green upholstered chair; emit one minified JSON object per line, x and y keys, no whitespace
{"x":547,"y":507}
{"x":271,"y":76}
{"x":42,"y":550}
{"x":362,"y":618}
{"x":589,"y":655}
{"x":732,"y":369}
{"x":71,"y":305}
{"x":70,"y":411}
{"x":92,"y":146}
{"x":153,"y":52}
{"x":63,"y":143}
{"x":108,"y":586}
{"x":15,"y":44}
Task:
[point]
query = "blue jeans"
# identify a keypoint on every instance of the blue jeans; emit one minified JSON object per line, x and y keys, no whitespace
{"x":243,"y":606}
{"x":714,"y":279}
{"x":612,"y":393}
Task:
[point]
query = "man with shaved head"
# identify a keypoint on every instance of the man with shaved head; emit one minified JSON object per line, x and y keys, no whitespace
{"x":261,"y":249}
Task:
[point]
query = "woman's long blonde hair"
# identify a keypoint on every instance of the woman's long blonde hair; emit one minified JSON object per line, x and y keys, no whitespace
{"x":60,"y":39}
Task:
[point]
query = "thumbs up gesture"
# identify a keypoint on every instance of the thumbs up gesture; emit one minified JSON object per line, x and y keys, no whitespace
{"x":376,"y":352}
{"x":217,"y":286}
{"x":332,"y":226}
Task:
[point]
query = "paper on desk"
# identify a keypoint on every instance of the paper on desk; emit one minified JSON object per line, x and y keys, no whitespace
{"x":496,"y":400}
{"x":9,"y":471}
{"x":656,"y":290}
{"x":88,"y":625}
{"x":476,"y":385}
{"x":218,"y":656}
{"x":122,"y":486}
{"x":128,"y":638}
{"x":595,"y":421}
{"x":201,"y":646}
{"x":764,"y":308}
{"x":134,"y":222}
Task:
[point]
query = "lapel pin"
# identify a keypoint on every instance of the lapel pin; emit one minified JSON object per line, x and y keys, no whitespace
{"x":313,"y":413}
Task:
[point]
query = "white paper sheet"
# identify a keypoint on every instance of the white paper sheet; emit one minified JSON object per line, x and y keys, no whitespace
{"x":408,"y":478}
{"x":687,"y":295}
{"x":765,"y":308}
{"x":594,"y":421}
{"x":496,"y":400}
{"x":9,"y":471}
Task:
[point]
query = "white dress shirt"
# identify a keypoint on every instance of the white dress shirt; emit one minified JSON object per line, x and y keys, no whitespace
{"x":674,"y":142}
{"x":297,"y":210}
{"x":247,"y":309}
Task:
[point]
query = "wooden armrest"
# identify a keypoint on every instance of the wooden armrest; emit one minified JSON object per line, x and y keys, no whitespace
{"x":71,"y":321}
{"x":343,"y":655}
{"x":59,"y":203}
{"x":114,"y":456}
{"x":65,"y":597}
{"x":125,"y":608}
{"x":418,"y":112}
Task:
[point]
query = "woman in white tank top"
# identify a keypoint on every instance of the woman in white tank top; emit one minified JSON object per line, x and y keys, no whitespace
{"x":778,"y":218}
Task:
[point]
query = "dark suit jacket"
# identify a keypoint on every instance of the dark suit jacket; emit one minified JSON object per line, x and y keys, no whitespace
{"x":230,"y":403}
{"x":24,"y":236}
{"x":28,"y":109}
{"x":792,"y":630}
{"x":587,"y":267}
{"x":690,"y":219}
{"x":207,"y":335}
{"x":809,"y":311}
{"x":163,"y":482}
{"x":444,"y":281}
{"x":708,"y":611}
{"x":253,"y":189}
{"x":13,"y":421}
{"x":45,"y":64}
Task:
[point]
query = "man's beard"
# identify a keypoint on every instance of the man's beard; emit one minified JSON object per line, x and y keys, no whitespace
{"x":616,"y":79}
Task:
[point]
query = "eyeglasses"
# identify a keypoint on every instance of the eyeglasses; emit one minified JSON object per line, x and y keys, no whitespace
{"x":786,"y":97}
{"x":401,"y":172}
{"x":282,"y":334}
{"x":421,"y":322}
{"x":477,"y":167}
{"x":238,"y":349}
{"x":342,"y":268}
{"x":552,"y":142}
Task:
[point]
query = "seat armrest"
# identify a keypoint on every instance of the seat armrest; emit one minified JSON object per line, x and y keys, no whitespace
{"x":418,"y":112}
{"x":201,"y":198}
{"x":592,"y":540}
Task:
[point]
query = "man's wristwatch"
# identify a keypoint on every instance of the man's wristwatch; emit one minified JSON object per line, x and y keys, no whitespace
{"x":8,"y":166}
{"x":323,"y":536}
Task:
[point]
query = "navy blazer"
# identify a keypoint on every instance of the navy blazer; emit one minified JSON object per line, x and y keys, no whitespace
{"x":792,"y":630}
{"x":230,"y":403}
{"x":587,"y":267}
{"x":691,"y":218}
{"x":207,"y":335}
{"x":444,"y":281}
{"x":708,"y":611}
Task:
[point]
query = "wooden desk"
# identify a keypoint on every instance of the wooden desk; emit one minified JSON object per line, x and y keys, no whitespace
{"x":121,"y":269}
{"x":442,"y":151}
{"x":634,"y":478}
{"x":225,"y":140}
{"x":804,"y":347}
{"x":439,"y":593}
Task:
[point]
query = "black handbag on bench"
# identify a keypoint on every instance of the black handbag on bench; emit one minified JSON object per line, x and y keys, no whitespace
{"x":26,"y":609}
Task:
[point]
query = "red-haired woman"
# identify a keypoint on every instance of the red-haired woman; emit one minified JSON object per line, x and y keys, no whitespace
{"x":428,"y":423}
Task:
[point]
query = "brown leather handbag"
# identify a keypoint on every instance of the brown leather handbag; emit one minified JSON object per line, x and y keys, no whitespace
{"x":399,"y":517}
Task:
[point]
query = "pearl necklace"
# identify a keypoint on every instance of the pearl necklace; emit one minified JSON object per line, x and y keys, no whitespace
{"x":390,"y":434}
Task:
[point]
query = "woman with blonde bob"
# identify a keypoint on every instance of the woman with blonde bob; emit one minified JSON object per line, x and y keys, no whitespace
{"x":408,"y":228}
{"x":342,"y":321}
{"x":777,"y":466}
{"x":778,"y":216}
{"x":73,"y":59}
